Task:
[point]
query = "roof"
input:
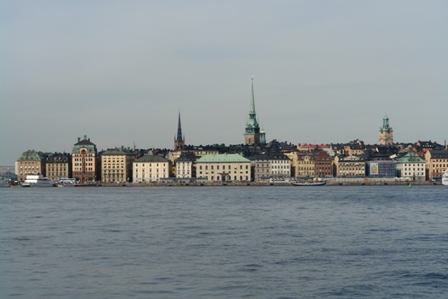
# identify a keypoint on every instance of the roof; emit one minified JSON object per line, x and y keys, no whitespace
{"x":222,"y":158}
{"x":410,"y":157}
{"x":115,"y":152}
{"x":439,"y":154}
{"x":85,"y":143}
{"x":31,"y":155}
{"x":151,"y":158}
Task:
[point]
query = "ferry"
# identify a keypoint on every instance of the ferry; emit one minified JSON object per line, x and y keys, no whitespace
{"x":445,"y":178}
{"x":37,"y":180}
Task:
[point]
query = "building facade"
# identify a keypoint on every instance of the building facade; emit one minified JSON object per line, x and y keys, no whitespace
{"x":323,"y":164}
{"x":85,"y":161}
{"x":30,"y":162}
{"x":305,"y":165}
{"x":58,"y":166}
{"x":350,"y":166}
{"x":150,"y":168}
{"x":185,"y":166}
{"x":223,"y":167}
{"x":411,"y":166}
{"x":381,"y":168}
{"x":436,"y":163}
{"x":116,"y":165}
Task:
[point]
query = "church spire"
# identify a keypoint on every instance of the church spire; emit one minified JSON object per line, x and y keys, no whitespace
{"x":179,"y":140}
{"x":252,"y":132}
{"x":252,"y":103}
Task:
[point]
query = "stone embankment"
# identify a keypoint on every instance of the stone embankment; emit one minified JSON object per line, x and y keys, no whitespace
{"x":330,"y":182}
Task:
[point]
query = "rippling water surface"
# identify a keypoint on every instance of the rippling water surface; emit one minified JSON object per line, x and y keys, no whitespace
{"x":224,"y":242}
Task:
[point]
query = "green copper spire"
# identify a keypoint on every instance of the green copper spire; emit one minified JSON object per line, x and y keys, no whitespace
{"x":252,"y":132}
{"x":252,"y":103}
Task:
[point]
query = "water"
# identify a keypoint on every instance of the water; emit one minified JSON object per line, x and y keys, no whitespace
{"x":224,"y":242}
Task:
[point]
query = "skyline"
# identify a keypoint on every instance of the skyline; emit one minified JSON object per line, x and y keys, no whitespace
{"x":120,"y":72}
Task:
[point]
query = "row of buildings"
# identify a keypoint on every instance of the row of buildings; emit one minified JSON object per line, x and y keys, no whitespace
{"x":419,"y":161}
{"x":254,"y":160}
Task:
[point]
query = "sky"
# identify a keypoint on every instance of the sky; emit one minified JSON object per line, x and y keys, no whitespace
{"x":121,"y":71}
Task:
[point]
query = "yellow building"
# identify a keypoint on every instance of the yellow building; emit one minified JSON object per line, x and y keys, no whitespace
{"x":436,"y":163}
{"x":58,"y":166}
{"x":30,"y":162}
{"x":116,"y":165}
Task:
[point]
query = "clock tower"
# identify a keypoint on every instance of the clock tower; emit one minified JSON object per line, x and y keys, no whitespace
{"x":386,"y":133}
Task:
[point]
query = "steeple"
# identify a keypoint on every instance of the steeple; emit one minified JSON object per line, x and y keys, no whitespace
{"x":252,"y":103}
{"x":179,"y":140}
{"x":252,"y":132}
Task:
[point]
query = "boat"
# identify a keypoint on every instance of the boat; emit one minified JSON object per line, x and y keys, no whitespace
{"x":37,"y":180}
{"x":309,"y":184}
{"x":445,"y":178}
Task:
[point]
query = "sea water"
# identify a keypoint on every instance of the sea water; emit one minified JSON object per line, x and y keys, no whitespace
{"x":224,"y":242}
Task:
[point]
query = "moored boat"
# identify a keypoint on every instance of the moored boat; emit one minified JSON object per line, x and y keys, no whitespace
{"x":445,"y":178}
{"x":321,"y":183}
{"x":37,"y":180}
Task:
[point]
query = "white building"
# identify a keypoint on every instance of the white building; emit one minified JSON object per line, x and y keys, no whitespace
{"x":411,"y":166}
{"x":223,"y":167}
{"x":150,"y":168}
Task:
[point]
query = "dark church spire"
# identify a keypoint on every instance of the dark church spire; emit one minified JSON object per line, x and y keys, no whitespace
{"x":179,"y":140}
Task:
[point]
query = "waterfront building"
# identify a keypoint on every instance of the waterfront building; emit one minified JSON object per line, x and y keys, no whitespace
{"x":116,"y":164}
{"x":305,"y":164}
{"x":252,"y":131}
{"x":223,"y":167}
{"x":271,"y":165}
{"x":184,"y":166}
{"x":323,"y":164}
{"x":30,"y":162}
{"x":179,"y":139}
{"x":386,"y":135}
{"x":350,"y":166}
{"x":381,"y":168}
{"x":261,"y":167}
{"x":58,"y":166}
{"x":436,"y":163}
{"x":411,"y":166}
{"x":150,"y":168}
{"x":85,"y":161}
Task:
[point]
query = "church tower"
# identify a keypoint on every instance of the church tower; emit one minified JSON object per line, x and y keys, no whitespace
{"x":179,"y":140}
{"x":252,"y":132}
{"x":386,"y":133}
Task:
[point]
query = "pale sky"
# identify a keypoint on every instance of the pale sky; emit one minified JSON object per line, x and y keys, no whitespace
{"x":120,"y":71}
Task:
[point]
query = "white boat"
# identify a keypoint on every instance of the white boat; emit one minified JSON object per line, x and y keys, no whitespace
{"x":37,"y":180}
{"x":445,"y":178}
